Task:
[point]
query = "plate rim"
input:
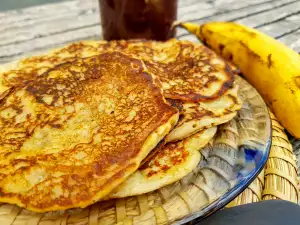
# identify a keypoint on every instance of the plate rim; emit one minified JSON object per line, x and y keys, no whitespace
{"x":230,"y":195}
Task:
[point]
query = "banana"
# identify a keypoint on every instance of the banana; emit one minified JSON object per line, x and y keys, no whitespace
{"x":271,"y":67}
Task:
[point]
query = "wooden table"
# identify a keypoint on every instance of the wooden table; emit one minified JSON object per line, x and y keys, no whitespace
{"x":36,"y":29}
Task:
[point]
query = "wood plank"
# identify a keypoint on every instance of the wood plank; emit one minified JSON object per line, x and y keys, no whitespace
{"x":68,"y":20}
{"x":243,"y":12}
{"x":229,"y":5}
{"x":37,"y":14}
{"x":46,"y":10}
{"x":59,"y":20}
{"x":12,"y":51}
{"x":56,"y":24}
{"x":225,"y":8}
{"x":292,"y":40}
{"x":60,"y":25}
{"x":182,"y":3}
{"x":271,"y":15}
{"x":51,"y":12}
{"x":53,"y":18}
{"x":282,"y":27}
{"x":193,"y":12}
{"x":28,"y":30}
{"x":198,"y":9}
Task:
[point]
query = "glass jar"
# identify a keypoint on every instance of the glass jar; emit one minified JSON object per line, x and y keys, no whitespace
{"x":143,"y":19}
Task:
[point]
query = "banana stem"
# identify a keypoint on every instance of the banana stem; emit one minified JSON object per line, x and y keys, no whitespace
{"x":190,"y":27}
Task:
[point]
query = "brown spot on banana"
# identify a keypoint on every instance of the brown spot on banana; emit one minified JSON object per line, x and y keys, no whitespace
{"x":201,"y":31}
{"x":201,"y":35}
{"x":204,"y":41}
{"x":293,"y":91}
{"x":297,"y":81}
{"x":230,"y":57}
{"x":270,"y":62}
{"x":221,"y":47}
{"x":252,"y":53}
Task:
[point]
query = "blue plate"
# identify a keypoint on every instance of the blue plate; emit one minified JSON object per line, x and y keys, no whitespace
{"x":235,"y":158}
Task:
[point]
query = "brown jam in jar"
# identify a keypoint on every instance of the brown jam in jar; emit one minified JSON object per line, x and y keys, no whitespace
{"x":146,"y":19}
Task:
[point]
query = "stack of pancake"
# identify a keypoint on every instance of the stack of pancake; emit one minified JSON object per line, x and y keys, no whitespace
{"x":98,"y":120}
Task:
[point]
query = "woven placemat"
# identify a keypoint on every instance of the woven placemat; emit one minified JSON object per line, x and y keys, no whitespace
{"x":281,"y":180}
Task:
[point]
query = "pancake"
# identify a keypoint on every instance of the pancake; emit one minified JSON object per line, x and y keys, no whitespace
{"x":190,"y":75}
{"x":184,"y":70}
{"x":188,"y":71}
{"x":170,"y":163}
{"x":76,"y":132}
{"x":197,"y":116}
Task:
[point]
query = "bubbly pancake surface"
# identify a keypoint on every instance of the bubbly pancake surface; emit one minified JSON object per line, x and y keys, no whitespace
{"x":76,"y":132}
{"x":190,"y":75}
{"x":195,"y":117}
{"x":184,"y":70}
{"x":168,"y":164}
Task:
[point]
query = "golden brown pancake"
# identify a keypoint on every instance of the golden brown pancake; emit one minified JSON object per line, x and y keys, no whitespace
{"x":195,"y":117}
{"x":76,"y":132}
{"x":170,"y":163}
{"x":184,"y":70}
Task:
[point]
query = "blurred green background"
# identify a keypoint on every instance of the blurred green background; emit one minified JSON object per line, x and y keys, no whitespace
{"x":18,"y":4}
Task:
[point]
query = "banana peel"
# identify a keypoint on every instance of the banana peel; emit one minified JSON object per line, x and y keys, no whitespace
{"x":270,"y":66}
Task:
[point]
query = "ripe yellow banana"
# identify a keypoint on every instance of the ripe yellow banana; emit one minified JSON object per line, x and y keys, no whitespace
{"x":271,"y":67}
